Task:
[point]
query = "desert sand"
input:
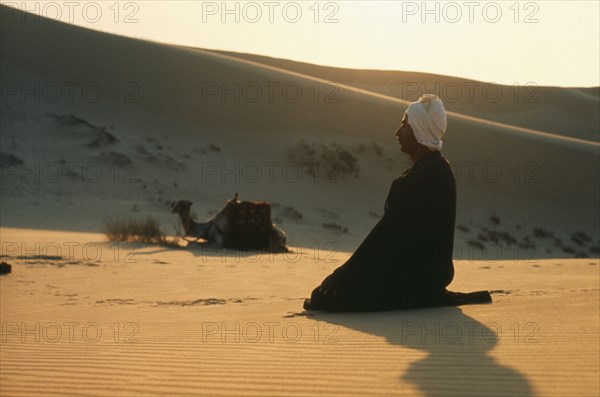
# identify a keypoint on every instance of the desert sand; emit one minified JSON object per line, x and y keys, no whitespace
{"x":96,"y":126}
{"x":152,"y":321}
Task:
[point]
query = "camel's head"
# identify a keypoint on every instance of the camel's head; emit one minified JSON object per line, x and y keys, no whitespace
{"x":181,"y":206}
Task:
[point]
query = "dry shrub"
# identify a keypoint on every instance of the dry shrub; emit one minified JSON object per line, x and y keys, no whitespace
{"x":136,"y":230}
{"x":331,"y":160}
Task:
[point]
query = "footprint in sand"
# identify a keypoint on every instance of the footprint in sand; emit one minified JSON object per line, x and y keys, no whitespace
{"x":538,"y":292}
{"x":202,"y":302}
{"x":117,"y":301}
{"x":500,"y":292}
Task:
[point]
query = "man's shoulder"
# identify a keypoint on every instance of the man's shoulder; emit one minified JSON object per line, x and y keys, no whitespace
{"x":434,"y":163}
{"x":438,"y":170}
{"x":445,"y":162}
{"x":438,"y":161}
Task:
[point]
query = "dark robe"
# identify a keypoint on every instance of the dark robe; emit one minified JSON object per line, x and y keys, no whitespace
{"x":406,"y":259}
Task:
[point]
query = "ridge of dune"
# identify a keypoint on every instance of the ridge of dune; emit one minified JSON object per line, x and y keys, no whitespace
{"x":512,"y":128}
{"x":401,"y":84}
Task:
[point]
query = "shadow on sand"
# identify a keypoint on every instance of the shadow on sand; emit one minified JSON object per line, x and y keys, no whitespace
{"x":458,"y":362}
{"x":204,"y":249}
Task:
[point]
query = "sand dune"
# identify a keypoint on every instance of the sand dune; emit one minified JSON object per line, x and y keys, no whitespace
{"x":520,"y":175}
{"x":565,"y":111}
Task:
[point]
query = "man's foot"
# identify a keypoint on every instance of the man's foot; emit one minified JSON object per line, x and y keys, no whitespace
{"x":307,"y":304}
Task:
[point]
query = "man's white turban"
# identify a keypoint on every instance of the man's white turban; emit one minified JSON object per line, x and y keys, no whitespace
{"x":427,"y":117}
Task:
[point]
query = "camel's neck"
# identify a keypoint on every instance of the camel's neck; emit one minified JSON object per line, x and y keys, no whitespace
{"x":186,"y":221}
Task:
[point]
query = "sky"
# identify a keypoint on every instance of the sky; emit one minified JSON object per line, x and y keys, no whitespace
{"x":505,"y":42}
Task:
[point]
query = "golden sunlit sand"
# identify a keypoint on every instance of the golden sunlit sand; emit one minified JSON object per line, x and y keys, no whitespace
{"x":192,"y":322}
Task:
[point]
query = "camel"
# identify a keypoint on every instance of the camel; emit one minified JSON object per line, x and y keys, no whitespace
{"x":193,"y":229}
{"x":239,"y":225}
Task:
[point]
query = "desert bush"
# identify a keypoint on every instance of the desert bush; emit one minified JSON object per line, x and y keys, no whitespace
{"x":374,"y":214}
{"x":336,"y":227}
{"x":581,"y":238}
{"x":136,"y":230}
{"x":376,"y":148}
{"x":541,"y":233}
{"x":292,"y":213}
{"x":463,"y":228}
{"x":332,"y":160}
{"x":8,"y":159}
{"x":495,"y":219}
{"x":568,"y":250}
{"x":476,"y":244}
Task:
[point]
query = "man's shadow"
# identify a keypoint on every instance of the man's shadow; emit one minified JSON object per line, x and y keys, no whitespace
{"x":457,"y":346}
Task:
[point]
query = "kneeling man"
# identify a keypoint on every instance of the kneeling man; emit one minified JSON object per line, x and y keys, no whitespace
{"x":406,"y":260}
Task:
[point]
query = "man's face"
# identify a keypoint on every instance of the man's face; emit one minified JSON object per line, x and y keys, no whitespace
{"x":406,"y":137}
